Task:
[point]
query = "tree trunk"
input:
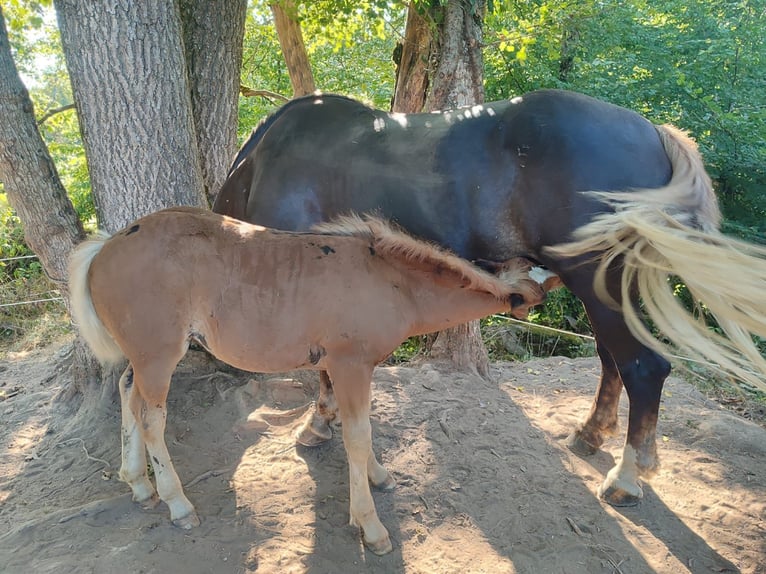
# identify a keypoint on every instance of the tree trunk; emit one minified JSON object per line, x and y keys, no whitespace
{"x":457,"y":80}
{"x":293,"y":48}
{"x":51,"y":226}
{"x":412,"y":73}
{"x":213,"y":34}
{"x":128,"y":73}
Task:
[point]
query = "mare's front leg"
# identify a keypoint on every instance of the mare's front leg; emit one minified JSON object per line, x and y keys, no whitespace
{"x":588,"y":437}
{"x":643,"y":374}
{"x":133,"y":468}
{"x":316,"y":430}
{"x":148,"y":404}
{"x":352,"y":389}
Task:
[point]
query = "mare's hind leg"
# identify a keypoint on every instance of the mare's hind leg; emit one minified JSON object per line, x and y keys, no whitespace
{"x":643,"y":374}
{"x":352,"y":385}
{"x":588,"y":437}
{"x":149,"y":407}
{"x":133,"y":468}
{"x":316,"y":430}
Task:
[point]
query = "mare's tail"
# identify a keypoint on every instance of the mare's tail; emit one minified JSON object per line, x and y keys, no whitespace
{"x":673,"y":231}
{"x":91,"y":328}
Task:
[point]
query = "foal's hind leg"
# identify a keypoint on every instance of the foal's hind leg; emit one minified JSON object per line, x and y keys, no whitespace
{"x":149,"y":407}
{"x":316,"y":430}
{"x":133,"y":468}
{"x":588,"y":437}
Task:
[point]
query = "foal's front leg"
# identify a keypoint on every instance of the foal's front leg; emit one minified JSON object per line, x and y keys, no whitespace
{"x":352,"y":388}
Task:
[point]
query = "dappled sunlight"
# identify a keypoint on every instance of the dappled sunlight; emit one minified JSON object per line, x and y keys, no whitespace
{"x":400,"y":119}
{"x":460,"y":543}
{"x":698,"y":496}
{"x":379,"y":124}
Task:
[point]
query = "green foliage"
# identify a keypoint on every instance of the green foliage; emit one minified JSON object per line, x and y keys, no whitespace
{"x":22,"y":280}
{"x":349,"y":44}
{"x":697,"y":65}
{"x":12,"y":245}
{"x":25,"y":22}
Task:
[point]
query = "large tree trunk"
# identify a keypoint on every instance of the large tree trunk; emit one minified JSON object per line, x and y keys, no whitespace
{"x":458,"y":78}
{"x":293,"y":49}
{"x":129,"y":80}
{"x":450,"y":49}
{"x":128,"y":73}
{"x":213,"y":34}
{"x":412,"y":74}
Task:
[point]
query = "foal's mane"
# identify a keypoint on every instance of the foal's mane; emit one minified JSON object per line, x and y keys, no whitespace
{"x":390,"y":241}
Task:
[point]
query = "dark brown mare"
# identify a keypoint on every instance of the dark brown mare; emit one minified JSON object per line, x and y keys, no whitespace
{"x":269,"y":301}
{"x":509,"y":178}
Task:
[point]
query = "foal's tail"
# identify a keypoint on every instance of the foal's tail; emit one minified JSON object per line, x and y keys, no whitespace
{"x":83,"y":312}
{"x":673,"y":231}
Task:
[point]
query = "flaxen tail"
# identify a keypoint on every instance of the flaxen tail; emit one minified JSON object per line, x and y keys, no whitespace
{"x":673,"y":231}
{"x":83,"y":312}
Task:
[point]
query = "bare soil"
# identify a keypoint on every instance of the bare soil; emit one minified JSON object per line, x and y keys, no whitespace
{"x":484,"y":483}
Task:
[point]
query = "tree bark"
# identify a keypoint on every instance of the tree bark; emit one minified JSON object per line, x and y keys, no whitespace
{"x":213,"y":34}
{"x":51,"y":225}
{"x":458,"y":78}
{"x":412,"y":74}
{"x":129,"y":80}
{"x":293,"y":49}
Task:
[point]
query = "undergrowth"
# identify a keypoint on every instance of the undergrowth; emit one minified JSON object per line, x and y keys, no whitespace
{"x":25,"y":325}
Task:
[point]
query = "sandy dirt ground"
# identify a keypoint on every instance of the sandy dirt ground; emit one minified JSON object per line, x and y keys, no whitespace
{"x":484,"y":483}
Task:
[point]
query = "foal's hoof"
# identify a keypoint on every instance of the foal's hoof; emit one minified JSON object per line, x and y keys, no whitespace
{"x":187,"y":522}
{"x":579,"y":445}
{"x":380,"y":547}
{"x":314,"y":431}
{"x":388,"y":483}
{"x":149,"y":503}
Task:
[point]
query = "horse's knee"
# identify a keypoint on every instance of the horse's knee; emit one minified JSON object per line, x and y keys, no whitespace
{"x":646,"y":373}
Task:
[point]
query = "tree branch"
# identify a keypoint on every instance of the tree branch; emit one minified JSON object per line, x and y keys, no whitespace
{"x":269,"y":95}
{"x":52,"y":112}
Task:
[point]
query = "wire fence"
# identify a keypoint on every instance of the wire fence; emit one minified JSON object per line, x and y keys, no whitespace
{"x":34,"y":298}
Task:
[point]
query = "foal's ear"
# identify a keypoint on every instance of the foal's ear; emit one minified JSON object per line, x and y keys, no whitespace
{"x":490,"y":266}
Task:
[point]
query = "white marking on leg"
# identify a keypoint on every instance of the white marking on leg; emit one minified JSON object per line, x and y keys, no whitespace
{"x":133,"y":467}
{"x":624,"y":475}
{"x":168,"y":484}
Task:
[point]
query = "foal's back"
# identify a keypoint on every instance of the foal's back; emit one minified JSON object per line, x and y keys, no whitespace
{"x":265,"y":300}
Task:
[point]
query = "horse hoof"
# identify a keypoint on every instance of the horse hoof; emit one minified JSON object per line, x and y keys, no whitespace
{"x":380,"y":547}
{"x":579,"y":445}
{"x":314,"y":432}
{"x":187,"y":522}
{"x":388,"y":483}
{"x":619,"y":497}
{"x":149,"y":503}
